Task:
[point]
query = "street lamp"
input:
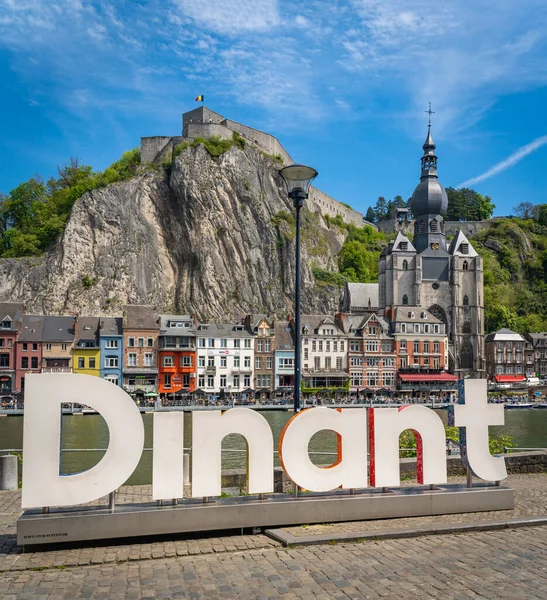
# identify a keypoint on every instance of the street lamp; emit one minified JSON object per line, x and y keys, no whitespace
{"x":298,"y":179}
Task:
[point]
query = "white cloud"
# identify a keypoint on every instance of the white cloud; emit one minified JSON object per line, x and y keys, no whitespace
{"x":508,"y":162}
{"x":231,"y":16}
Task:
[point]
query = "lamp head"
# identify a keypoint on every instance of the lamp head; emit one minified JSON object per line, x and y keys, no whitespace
{"x":298,"y":179}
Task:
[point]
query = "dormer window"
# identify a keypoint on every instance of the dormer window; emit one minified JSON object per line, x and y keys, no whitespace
{"x":403,"y":246}
{"x":433,"y":225}
{"x":6,"y":324}
{"x":424,"y":315}
{"x":464,"y":248}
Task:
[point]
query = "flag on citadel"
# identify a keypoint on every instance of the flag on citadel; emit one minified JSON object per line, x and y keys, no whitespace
{"x":200,"y":99}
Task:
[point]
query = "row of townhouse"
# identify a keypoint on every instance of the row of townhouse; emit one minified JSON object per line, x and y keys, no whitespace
{"x":512,"y":357}
{"x":147,"y":352}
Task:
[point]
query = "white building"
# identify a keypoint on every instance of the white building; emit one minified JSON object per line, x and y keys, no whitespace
{"x":225,"y":358}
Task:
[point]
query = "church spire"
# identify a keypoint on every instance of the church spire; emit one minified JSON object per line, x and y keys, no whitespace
{"x":429,"y":159}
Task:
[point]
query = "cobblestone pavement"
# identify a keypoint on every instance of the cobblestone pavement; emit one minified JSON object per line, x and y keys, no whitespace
{"x":506,"y":565}
{"x":531,"y":498}
{"x":530,"y":501}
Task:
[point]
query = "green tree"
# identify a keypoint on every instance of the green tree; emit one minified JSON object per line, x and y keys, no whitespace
{"x":370,"y":216}
{"x":380,"y":209}
{"x":542,"y":214}
{"x":468,"y":205}
{"x":524,"y":210}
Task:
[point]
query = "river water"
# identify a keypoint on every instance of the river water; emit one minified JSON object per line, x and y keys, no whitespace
{"x":528,"y":427}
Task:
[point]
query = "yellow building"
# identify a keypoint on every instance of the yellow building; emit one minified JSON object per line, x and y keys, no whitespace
{"x":86,"y":358}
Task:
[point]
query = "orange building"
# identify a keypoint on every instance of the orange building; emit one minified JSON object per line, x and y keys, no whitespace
{"x":177,"y":355}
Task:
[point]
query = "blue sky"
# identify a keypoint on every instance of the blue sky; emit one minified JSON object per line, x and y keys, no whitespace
{"x":342,"y":84}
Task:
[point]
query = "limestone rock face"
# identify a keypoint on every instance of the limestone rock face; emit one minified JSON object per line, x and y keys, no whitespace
{"x":211,"y":237}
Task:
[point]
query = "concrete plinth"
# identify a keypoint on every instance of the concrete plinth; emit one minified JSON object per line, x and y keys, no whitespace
{"x":132,"y":520}
{"x":8,"y":472}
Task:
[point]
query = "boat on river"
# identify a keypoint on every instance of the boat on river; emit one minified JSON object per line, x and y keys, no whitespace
{"x":519,"y":405}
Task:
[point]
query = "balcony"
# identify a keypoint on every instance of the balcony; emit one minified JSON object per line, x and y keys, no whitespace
{"x":210,"y":369}
{"x":56,"y":370}
{"x":243,"y":370}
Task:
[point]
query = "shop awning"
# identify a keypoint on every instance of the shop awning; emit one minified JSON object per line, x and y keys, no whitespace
{"x":436,"y":377}
{"x":509,"y":378}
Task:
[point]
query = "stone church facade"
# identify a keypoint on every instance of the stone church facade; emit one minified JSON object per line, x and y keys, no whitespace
{"x":428,"y":273}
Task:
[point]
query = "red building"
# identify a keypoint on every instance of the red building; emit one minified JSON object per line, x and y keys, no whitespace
{"x":177,"y":355}
{"x":29,"y":349}
{"x":11,"y":315}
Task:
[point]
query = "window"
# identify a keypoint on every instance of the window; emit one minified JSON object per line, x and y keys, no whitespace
{"x":436,"y":347}
{"x":201,"y":361}
{"x":4,"y":360}
{"x":247,"y":380}
{"x":416,"y":347}
{"x":223,"y":381}
{"x":388,"y":362}
{"x":24,"y":362}
{"x":25,"y":346}
{"x":357,"y":378}
{"x":92,"y":363}
{"x":168,"y":361}
{"x":372,"y":346}
{"x":81,"y":363}
{"x":286,"y":363}
{"x":259,"y":345}
{"x":187,"y":361}
{"x":327,"y":345}
{"x":237,"y":343}
{"x":211,"y":361}
{"x":247,"y":343}
{"x":263,"y":381}
{"x":465,"y":301}
{"x":267,"y":345}
{"x":111,"y":344}
{"x":405,"y":299}
{"x":416,"y":328}
{"x":426,"y":347}
{"x":64,"y":347}
{"x":465,"y":266}
{"x":403,"y":246}
{"x":403,"y":363}
{"x":354,"y":346}
{"x":167,"y":380}
{"x":464,"y":248}
{"x":386,"y":346}
{"x":236,"y":361}
{"x":223,"y":361}
{"x":388,"y":379}
{"x":148,"y":360}
{"x":373,"y":362}
{"x":150,"y":342}
{"x":356,"y":361}
{"x":339,"y":362}
{"x":210,"y":342}
{"x":236,"y":381}
{"x":34,"y":362}
{"x":433,"y":225}
{"x":112,"y":379}
{"x":426,"y":361}
{"x":403,"y":327}
{"x":317,"y":363}
{"x":306,"y":354}
{"x":402,"y":345}
{"x":335,"y":346}
{"x":201,"y":343}
{"x":328,"y":362}
{"x":405,"y":265}
{"x":224,"y":343}
{"x":34,"y":347}
{"x":111,"y":361}
{"x":201,"y":381}
{"x":258,"y":362}
{"x":131,"y":342}
{"x":247,"y":361}
{"x":341,"y":346}
{"x":210,"y":381}
{"x":170,"y":341}
{"x":6,"y":324}
{"x":372,"y":378}
{"x":131,"y":360}
{"x":314,"y":346}
{"x":140,"y":342}
{"x":320,"y":345}
{"x":48,"y":347}
{"x":269,"y":363}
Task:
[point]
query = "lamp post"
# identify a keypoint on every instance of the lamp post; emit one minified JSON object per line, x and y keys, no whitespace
{"x":298,"y":179}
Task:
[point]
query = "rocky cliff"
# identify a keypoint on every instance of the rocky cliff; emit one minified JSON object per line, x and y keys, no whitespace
{"x":211,"y":237}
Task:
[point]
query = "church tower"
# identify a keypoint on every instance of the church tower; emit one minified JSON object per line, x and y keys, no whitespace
{"x":428,"y":273}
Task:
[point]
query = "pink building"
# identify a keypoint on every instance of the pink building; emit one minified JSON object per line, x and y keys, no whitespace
{"x":28,"y":355}
{"x":11,"y":315}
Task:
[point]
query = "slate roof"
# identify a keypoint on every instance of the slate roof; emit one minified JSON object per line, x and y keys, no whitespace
{"x":504,"y":335}
{"x":455,"y":246}
{"x":283,"y":336}
{"x":137,"y":316}
{"x":228,"y":330}
{"x":58,"y":329}
{"x":402,"y":315}
{"x":165,"y":329}
{"x":402,"y":239}
{"x":363,"y":295}
{"x":111,"y":326}
{"x":14,"y":312}
{"x":313,"y":322}
{"x":32,"y":329}
{"x":87,"y":329}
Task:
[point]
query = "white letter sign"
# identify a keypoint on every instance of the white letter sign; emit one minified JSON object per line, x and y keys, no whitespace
{"x":349,"y":471}
{"x":44,"y":394}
